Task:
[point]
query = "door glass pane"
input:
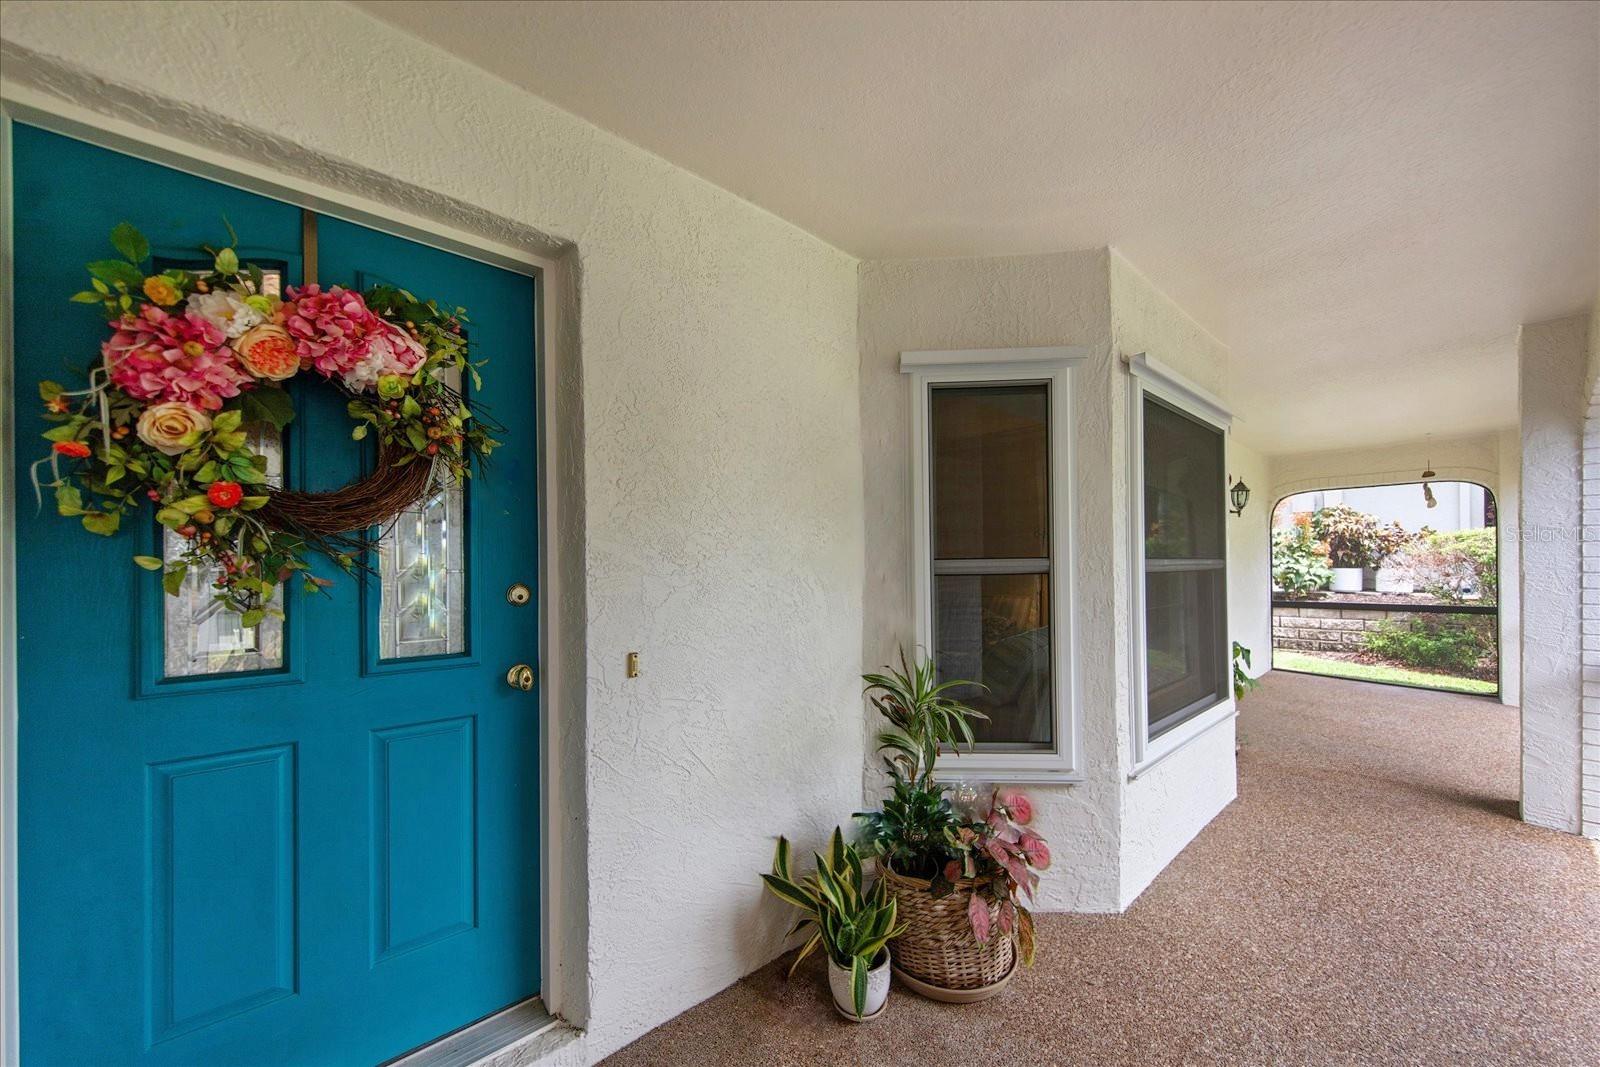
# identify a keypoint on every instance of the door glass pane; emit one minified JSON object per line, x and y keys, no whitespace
{"x":991,"y":472}
{"x":201,"y":636}
{"x":1183,"y":627}
{"x":995,"y":629}
{"x":1183,"y":485}
{"x":422,"y":568}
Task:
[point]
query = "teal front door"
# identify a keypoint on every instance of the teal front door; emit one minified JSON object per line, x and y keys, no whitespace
{"x":308,"y":842}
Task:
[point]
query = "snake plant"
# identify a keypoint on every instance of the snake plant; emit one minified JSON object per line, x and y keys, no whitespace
{"x":852,"y":923}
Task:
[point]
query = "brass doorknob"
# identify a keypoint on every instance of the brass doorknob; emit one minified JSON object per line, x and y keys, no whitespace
{"x":520,"y":676}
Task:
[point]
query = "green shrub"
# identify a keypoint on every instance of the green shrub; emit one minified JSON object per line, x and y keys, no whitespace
{"x":1299,"y":562}
{"x":1432,"y":642}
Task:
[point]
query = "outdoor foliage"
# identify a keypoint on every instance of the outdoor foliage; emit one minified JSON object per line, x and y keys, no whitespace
{"x":913,"y":831}
{"x":1299,"y":561}
{"x":852,"y":923}
{"x":1433,"y":642}
{"x":1242,"y":682}
{"x":1356,"y":539}
{"x":1454,"y":566}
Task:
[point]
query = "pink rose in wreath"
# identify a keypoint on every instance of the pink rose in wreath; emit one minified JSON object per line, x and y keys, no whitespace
{"x":267,"y":351}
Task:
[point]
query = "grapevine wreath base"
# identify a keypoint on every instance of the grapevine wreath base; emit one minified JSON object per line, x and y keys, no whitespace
{"x":193,"y":359}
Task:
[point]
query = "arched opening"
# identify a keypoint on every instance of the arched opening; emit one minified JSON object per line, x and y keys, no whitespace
{"x":1394,"y":583}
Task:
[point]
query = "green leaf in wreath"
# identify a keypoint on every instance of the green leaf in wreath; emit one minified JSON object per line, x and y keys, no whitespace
{"x":227,"y":262}
{"x":49,"y":390}
{"x":172,"y":517}
{"x":68,"y":500}
{"x":104,"y":523}
{"x":418,"y":439}
{"x":130,"y":242}
{"x":359,"y":432}
{"x":87,"y":296}
{"x":114,"y":475}
{"x":267,"y":404}
{"x":207,"y":472}
{"x":191,"y":504}
{"x":410,"y":408}
{"x":149,"y":563}
{"x":67,"y":431}
{"x":251,"y":503}
{"x":227,"y":421}
{"x":252,"y":617}
{"x":246,"y":473}
{"x":172,"y":581}
{"x":223,"y":524}
{"x":116,"y":272}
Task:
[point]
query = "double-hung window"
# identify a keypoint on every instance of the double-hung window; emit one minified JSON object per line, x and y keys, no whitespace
{"x":1181,"y":649}
{"x":991,"y":439}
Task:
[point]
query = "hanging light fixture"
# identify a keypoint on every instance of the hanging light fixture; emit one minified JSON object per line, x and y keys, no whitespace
{"x":1240,"y":494}
{"x":1428,"y":474}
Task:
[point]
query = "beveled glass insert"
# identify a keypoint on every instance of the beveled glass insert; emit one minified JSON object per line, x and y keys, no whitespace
{"x":422,"y":572}
{"x":201,"y":636}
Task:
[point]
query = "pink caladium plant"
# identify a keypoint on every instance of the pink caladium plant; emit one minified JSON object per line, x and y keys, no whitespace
{"x":1000,"y":856}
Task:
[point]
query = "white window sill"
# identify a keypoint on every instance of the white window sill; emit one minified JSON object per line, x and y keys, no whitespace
{"x":1009,"y":776}
{"x":1180,"y":736}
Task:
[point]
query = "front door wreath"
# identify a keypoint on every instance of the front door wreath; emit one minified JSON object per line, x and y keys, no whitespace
{"x":193,"y":359}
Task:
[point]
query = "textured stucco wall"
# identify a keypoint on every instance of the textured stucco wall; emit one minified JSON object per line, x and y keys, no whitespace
{"x":1508,"y":511}
{"x":1552,"y":370}
{"x":1016,"y":301}
{"x":1250,"y":557}
{"x":1169,"y":803}
{"x":716,"y":454}
{"x":1589,"y":808}
{"x":1469,"y":459}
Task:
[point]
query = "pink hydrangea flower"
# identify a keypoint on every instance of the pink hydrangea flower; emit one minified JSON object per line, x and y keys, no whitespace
{"x":336,"y":334}
{"x":156,"y":355}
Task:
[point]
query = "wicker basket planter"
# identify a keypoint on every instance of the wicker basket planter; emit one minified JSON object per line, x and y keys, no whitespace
{"x":938,"y":949}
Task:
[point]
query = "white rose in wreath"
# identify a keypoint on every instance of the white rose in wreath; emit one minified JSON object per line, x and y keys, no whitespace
{"x":172,"y":427}
{"x":225,"y":311}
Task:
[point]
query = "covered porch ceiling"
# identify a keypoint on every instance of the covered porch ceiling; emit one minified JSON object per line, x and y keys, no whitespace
{"x":1363,"y":200}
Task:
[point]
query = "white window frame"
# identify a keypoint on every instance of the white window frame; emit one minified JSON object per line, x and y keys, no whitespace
{"x":1153,"y":378}
{"x":1052,"y":366}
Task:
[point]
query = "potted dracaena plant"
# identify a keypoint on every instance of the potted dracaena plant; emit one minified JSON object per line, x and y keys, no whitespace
{"x":851,"y":922}
{"x":958,"y":875}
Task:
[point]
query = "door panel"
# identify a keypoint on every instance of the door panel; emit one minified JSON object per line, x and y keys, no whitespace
{"x":327,"y":855}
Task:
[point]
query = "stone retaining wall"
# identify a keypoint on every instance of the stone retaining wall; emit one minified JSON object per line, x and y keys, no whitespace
{"x":1330,"y":629}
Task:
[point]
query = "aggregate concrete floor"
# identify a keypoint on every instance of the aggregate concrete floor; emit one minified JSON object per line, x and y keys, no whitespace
{"x":1370,"y":898}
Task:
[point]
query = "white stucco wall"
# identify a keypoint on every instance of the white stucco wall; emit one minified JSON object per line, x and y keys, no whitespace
{"x":1250,"y":557}
{"x":1474,"y":458}
{"x":1508,"y":507}
{"x":1060,"y":299}
{"x":1166,"y":805}
{"x":714,"y":450}
{"x":1552,"y":372}
{"x":1589,"y":806}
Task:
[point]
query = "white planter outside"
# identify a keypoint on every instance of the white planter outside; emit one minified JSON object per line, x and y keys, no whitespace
{"x":1346,"y":580}
{"x":877,"y":989}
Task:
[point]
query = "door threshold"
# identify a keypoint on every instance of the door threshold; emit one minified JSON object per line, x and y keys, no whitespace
{"x":484,"y":1039}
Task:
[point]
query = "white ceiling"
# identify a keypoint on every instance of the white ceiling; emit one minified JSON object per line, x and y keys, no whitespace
{"x":1363,"y":200}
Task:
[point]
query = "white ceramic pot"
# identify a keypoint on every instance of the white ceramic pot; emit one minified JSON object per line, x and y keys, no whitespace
{"x":877,"y":989}
{"x":1346,"y":580}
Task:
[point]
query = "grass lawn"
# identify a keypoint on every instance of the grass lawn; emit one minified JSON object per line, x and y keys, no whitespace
{"x":1310,"y":663}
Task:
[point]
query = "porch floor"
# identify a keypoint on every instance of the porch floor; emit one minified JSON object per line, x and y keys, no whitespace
{"x":1369,"y":898}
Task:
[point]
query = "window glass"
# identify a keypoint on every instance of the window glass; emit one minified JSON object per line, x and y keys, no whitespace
{"x":422,"y":573}
{"x":201,"y":636}
{"x":990,"y":524}
{"x":1185,"y":568}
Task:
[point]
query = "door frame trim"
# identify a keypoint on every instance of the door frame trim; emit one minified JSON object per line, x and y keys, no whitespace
{"x":552,"y":266}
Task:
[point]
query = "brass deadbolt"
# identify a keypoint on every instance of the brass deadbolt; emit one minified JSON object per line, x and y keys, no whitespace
{"x":520,"y":676}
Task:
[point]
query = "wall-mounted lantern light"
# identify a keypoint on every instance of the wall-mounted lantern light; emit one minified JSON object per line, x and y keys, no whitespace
{"x":1241,"y":495}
